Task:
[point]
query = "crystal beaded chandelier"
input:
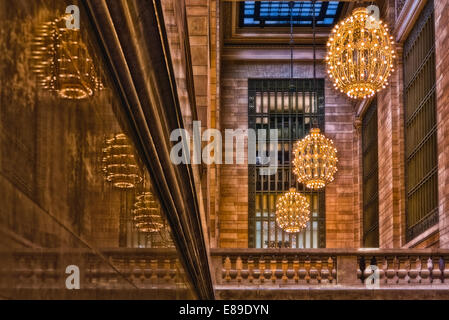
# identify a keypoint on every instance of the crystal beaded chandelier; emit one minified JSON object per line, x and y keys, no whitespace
{"x":62,"y":62}
{"x":292,"y":211}
{"x":315,"y":160}
{"x":146,"y":213}
{"x":119,"y":164}
{"x":360,"y":55}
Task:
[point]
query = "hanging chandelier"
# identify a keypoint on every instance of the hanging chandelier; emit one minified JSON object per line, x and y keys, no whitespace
{"x":292,"y":211}
{"x":315,"y":160}
{"x":62,"y":62}
{"x":360,"y":55}
{"x":119,"y":164}
{"x":146,"y":214}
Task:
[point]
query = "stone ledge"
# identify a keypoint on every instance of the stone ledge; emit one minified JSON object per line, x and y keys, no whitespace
{"x":334,"y":293}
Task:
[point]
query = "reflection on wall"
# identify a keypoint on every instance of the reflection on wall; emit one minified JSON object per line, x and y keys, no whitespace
{"x":61,"y":61}
{"x":58,"y":205}
{"x":119,"y":164}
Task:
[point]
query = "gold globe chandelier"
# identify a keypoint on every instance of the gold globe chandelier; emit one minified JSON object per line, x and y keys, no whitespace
{"x":119,"y":164}
{"x":292,"y":211}
{"x":146,"y":213}
{"x":315,"y":160}
{"x":360,"y":55}
{"x":62,"y":62}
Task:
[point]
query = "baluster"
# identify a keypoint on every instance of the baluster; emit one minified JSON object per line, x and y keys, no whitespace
{"x":284,"y":270}
{"x":35,"y":271}
{"x":43,"y":263}
{"x":371,"y":268}
{"x":273,"y":267}
{"x":130,"y":270}
{"x":146,"y":269}
{"x":430,"y":268}
{"x":402,"y":270}
{"x":96,"y":272}
{"x":362,"y":267}
{"x":414,"y":271}
{"x":126,"y":268}
{"x":396,"y":266}
{"x":102,"y":273}
{"x":441,"y":265}
{"x":418,"y":269}
{"x":324,"y":271}
{"x":32,"y":272}
{"x":141,"y":267}
{"x":135,"y":271}
{"x":436,"y":273}
{"x":173,"y":270}
{"x":93,"y":273}
{"x":227,"y":267}
{"x":167,"y":265}
{"x":391,"y":272}
{"x":446,"y":269}
{"x":262,"y":269}
{"x":177,"y":278}
{"x":408,"y":266}
{"x":318,"y":266}
{"x":384,"y":267}
{"x":239,"y":267}
{"x":424,"y":271}
{"x":153,"y":267}
{"x":113,"y":261}
{"x":307,"y":265}
{"x":112,"y":279}
{"x":330,"y":268}
{"x":250,"y":269}
{"x":379,"y":262}
{"x":296,"y":269}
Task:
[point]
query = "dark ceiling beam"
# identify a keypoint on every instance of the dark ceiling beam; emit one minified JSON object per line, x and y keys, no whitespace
{"x":133,"y":37}
{"x":267,"y":53}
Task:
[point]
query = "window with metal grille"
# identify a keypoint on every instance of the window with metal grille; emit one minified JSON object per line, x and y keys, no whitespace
{"x":370,"y":178}
{"x":277,"y":13}
{"x":291,"y":107}
{"x":421,"y":167}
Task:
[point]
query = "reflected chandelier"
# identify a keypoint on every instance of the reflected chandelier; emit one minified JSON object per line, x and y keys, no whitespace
{"x":146,"y":213}
{"x":292,"y":211}
{"x":62,"y":62}
{"x":360,"y":55}
{"x":315,"y":160}
{"x":119,"y":164}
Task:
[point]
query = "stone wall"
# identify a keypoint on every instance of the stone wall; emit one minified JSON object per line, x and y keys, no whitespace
{"x":390,"y":110}
{"x":442,"y":90}
{"x":233,"y":216}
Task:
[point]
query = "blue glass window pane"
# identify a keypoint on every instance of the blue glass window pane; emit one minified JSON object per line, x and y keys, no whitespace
{"x":277,"y":13}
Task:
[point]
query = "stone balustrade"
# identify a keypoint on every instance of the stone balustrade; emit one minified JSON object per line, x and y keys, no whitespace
{"x":405,"y":267}
{"x":238,"y":273}
{"x":272,"y":268}
{"x":330,"y":267}
{"x":124,"y":268}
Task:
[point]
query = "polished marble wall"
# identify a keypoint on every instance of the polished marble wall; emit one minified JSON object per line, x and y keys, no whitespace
{"x":57,"y":207}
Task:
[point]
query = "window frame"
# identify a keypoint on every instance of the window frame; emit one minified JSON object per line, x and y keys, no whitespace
{"x":415,"y":228}
{"x":256,"y":189}
{"x":296,"y":22}
{"x":370,"y":197}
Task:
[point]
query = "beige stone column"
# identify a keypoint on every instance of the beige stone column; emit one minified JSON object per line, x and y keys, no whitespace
{"x":391,"y":160}
{"x":442,"y":91}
